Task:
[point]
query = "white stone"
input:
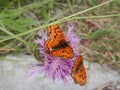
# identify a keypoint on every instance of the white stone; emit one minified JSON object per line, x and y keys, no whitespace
{"x":13,"y":76}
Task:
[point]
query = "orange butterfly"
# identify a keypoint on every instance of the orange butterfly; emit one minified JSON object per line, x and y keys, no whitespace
{"x":78,"y":72}
{"x":57,"y":45}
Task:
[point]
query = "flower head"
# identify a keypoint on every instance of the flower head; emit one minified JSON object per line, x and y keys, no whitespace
{"x":56,"y":67}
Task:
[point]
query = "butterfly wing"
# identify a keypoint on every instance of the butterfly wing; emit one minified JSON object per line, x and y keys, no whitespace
{"x":65,"y":53}
{"x":54,"y":32}
{"x":78,"y":72}
{"x":57,"y":36}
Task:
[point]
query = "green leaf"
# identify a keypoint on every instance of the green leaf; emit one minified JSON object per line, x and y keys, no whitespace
{"x":44,"y":13}
{"x":4,"y":3}
{"x":11,"y":13}
{"x":99,"y":33}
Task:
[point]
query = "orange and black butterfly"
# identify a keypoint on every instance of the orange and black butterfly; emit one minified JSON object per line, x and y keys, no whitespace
{"x":57,"y":45}
{"x":78,"y":72}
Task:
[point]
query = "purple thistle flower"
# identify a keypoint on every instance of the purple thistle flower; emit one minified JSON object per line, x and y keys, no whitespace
{"x":56,"y":67}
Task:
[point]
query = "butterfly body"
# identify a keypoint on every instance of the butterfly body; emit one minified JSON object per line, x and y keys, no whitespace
{"x":78,"y":67}
{"x":62,"y":44}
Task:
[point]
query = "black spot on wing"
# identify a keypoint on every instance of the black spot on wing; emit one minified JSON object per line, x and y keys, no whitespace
{"x":50,"y":32}
{"x":55,"y":36}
